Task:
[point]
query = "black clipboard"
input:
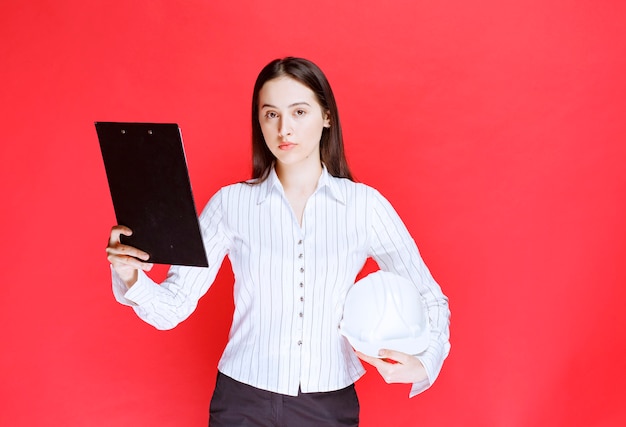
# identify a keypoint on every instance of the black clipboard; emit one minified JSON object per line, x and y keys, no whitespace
{"x":147,"y":172}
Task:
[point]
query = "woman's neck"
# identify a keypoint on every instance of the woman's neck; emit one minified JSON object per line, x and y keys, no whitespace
{"x":299,"y":178}
{"x":299,"y":183}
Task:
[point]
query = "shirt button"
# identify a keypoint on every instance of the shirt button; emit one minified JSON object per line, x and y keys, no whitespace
{"x":300,"y":241}
{"x":301,"y":285}
{"x":300,"y":256}
{"x":301,"y":298}
{"x":301,"y":269}
{"x":300,"y":314}
{"x":299,"y":342}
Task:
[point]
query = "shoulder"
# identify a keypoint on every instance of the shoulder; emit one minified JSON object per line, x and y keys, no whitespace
{"x":352,"y":191}
{"x":240,"y":192}
{"x":357,"y":189}
{"x":245,"y":187}
{"x":230,"y":199}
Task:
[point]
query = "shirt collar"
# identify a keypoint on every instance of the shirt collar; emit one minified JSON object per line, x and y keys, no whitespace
{"x":326,"y":180}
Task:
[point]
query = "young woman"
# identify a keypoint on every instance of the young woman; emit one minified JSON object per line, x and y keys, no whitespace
{"x":297,"y":234}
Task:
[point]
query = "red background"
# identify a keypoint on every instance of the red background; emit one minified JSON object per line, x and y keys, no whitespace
{"x":495,"y":128}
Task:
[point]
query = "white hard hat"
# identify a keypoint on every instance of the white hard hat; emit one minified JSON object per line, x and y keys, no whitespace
{"x":385,"y":310}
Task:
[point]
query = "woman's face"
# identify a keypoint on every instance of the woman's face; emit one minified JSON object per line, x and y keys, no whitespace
{"x":291,"y":121}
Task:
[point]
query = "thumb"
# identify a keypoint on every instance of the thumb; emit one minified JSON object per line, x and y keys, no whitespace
{"x":397,"y":356}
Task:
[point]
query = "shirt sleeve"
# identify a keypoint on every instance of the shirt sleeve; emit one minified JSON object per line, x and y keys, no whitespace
{"x":393,"y":248}
{"x":164,"y":306}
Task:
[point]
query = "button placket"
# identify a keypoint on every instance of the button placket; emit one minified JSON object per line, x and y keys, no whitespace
{"x":300,"y":288}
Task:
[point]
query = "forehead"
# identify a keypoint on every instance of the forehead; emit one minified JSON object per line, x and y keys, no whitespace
{"x":284,"y":91}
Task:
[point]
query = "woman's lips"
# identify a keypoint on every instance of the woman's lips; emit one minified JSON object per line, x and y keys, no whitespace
{"x":286,"y":146}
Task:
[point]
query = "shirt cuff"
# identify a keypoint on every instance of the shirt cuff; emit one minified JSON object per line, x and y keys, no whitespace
{"x":119,"y":288}
{"x":138,"y":294}
{"x":419,"y":387}
{"x":423,"y":385}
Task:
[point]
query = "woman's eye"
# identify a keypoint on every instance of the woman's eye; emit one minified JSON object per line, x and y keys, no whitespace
{"x":271,"y":115}
{"x":300,"y":112}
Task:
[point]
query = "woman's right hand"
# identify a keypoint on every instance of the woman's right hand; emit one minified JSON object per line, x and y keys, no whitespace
{"x":126,"y":260}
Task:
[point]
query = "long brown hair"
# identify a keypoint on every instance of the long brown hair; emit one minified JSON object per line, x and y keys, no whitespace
{"x":331,"y":143}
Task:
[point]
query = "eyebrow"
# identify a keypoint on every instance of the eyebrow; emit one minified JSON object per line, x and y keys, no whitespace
{"x":295,"y":104}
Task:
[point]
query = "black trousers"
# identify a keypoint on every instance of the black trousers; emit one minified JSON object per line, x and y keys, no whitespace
{"x":235,"y":404}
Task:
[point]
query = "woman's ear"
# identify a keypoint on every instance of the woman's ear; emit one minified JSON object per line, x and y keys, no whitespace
{"x":326,"y":119}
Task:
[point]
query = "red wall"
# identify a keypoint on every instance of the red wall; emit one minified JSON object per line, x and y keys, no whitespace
{"x":496,"y":129}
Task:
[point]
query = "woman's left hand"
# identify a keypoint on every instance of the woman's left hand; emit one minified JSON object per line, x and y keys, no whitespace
{"x":396,"y":367}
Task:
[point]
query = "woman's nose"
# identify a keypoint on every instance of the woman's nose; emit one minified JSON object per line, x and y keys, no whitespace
{"x":285,"y":129}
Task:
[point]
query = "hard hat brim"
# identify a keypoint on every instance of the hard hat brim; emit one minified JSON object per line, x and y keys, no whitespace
{"x":411,"y":346}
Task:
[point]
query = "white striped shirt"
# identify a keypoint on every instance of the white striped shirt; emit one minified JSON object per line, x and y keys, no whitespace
{"x":291,"y":281}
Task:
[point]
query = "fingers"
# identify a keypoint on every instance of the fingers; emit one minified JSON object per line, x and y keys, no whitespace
{"x":120,"y":255}
{"x":395,"y":366}
{"x":118,"y":259}
{"x":374,"y":361}
{"x":385,"y":369}
{"x":116,"y":232}
{"x":119,"y":249}
{"x":395,"y":356}
{"x":384,"y":356}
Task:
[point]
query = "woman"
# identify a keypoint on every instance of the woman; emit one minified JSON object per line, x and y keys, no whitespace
{"x":297,"y":235}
